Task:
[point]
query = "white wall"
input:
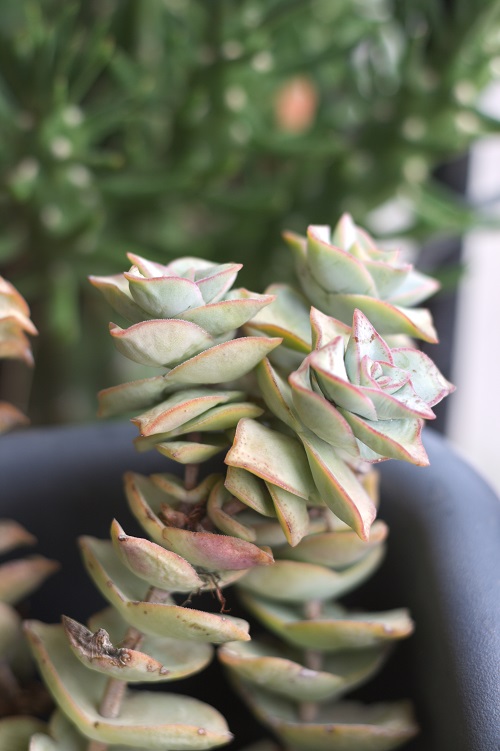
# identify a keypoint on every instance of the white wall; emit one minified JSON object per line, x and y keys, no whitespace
{"x":474,"y":420}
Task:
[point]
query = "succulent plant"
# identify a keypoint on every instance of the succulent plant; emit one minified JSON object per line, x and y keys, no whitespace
{"x":305,"y":403}
{"x":19,"y":693}
{"x":15,"y":322}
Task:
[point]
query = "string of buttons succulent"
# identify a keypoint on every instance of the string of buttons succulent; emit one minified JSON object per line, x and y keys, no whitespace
{"x":300,"y":391}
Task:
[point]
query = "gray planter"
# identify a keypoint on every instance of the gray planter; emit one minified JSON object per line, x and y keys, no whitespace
{"x":443,"y":563}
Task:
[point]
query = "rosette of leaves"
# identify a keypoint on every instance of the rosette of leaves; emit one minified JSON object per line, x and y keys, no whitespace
{"x":345,"y":397}
{"x":344,"y":270}
{"x":184,"y":318}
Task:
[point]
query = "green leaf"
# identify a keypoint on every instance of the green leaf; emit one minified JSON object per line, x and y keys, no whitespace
{"x":148,"y":720}
{"x":334,"y":269}
{"x":318,"y":414}
{"x":277,"y":394}
{"x":226,"y":523}
{"x":336,"y":549}
{"x":158,"y":567}
{"x":277,"y":458}
{"x":295,"y":581}
{"x":164,"y":296}
{"x":250,"y":490}
{"x":286,"y":317}
{"x":396,"y":439}
{"x":291,"y":512}
{"x":158,"y":659}
{"x":126,"y":592}
{"x":15,"y":732}
{"x":160,"y":343}
{"x":336,"y":629}
{"x":227,"y":361}
{"x":338,"y":486}
{"x":180,"y":408}
{"x":281,"y":671}
{"x":346,"y":726}
{"x":21,"y":577}
{"x":227,"y":315}
{"x":192,"y":452}
{"x":115,"y":290}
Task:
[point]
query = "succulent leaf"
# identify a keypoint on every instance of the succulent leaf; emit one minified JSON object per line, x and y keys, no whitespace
{"x":181,"y":658}
{"x":250,"y":490}
{"x":13,"y":535}
{"x":180,"y":408}
{"x":336,"y":630}
{"x":276,"y":458}
{"x":160,"y":659}
{"x":126,"y":592}
{"x":147,"y":720}
{"x":287,"y":316}
{"x":281,"y":671}
{"x":338,"y":486}
{"x":159,"y":567}
{"x":345,"y":726}
{"x":348,"y":271}
{"x":160,"y":343}
{"x":16,"y":732}
{"x":296,"y":581}
{"x":21,"y":577}
{"x":227,"y":361}
{"x":336,"y":549}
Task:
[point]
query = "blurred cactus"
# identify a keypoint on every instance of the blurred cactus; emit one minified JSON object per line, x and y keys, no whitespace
{"x":291,"y":522}
{"x":116,"y":117}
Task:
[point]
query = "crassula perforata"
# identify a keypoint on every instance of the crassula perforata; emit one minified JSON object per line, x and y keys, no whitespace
{"x":299,"y":402}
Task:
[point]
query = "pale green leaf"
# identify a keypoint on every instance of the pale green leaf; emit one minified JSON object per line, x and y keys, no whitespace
{"x":296,"y":581}
{"x":160,"y":342}
{"x":275,"y":457}
{"x":126,"y":592}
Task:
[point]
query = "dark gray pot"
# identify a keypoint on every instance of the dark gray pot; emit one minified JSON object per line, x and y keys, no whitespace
{"x":443,"y":563}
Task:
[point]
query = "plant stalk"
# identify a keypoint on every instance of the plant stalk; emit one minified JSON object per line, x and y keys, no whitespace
{"x":114,"y":693}
{"x":308,"y":710}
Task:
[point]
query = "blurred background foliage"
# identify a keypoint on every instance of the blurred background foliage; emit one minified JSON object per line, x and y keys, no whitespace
{"x":205,"y":127}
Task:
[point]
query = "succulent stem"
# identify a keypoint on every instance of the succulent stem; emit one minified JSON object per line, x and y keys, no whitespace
{"x":192,"y":470}
{"x":308,"y":710}
{"x":114,"y":692}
